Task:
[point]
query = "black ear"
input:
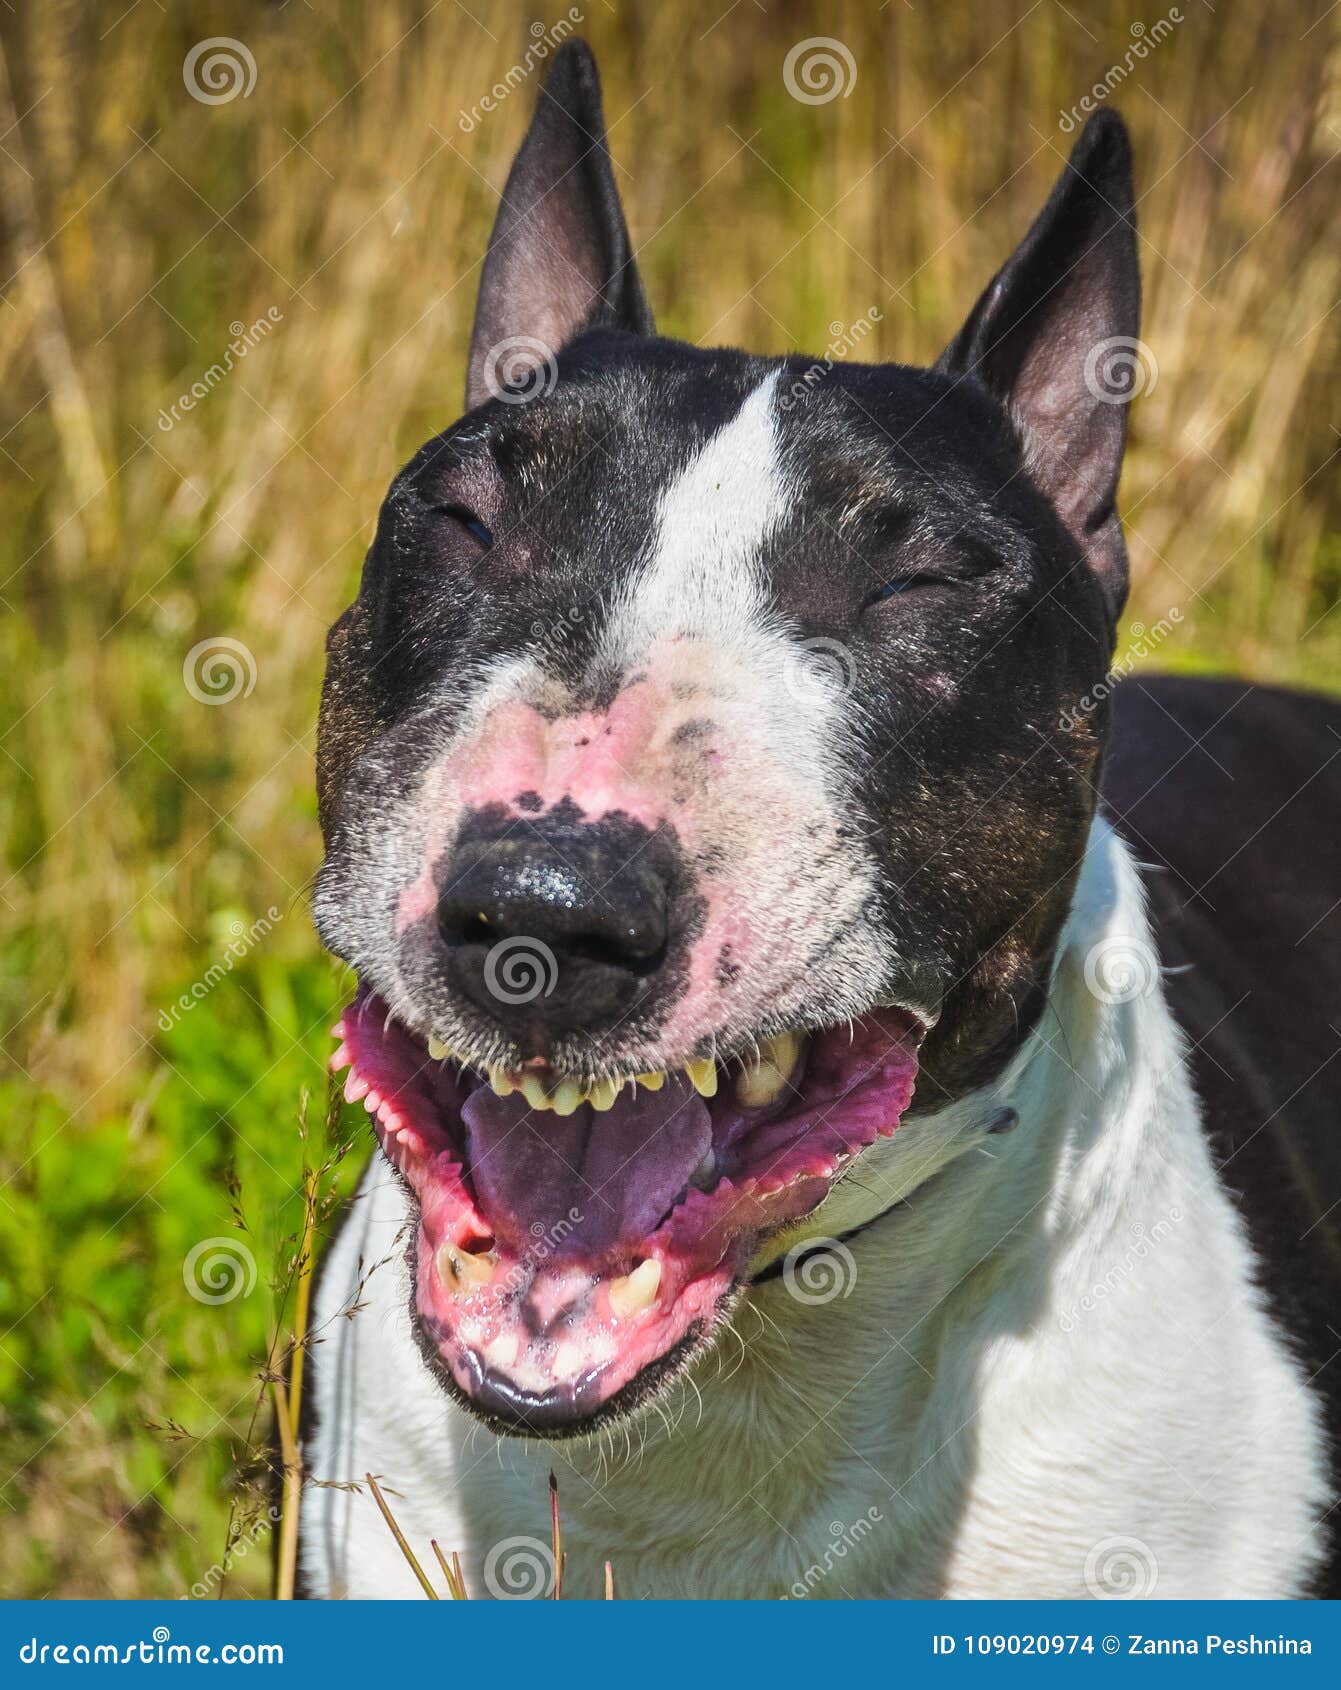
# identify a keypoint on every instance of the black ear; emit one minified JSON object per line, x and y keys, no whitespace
{"x":559,"y":258}
{"x":1054,"y":337}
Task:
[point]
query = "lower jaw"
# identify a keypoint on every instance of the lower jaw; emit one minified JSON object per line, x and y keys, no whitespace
{"x":532,"y":1327}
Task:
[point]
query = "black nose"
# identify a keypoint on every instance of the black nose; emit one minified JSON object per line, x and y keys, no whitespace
{"x":557,"y":926}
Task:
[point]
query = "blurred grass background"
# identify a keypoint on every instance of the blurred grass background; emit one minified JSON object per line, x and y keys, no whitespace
{"x":145,"y":832}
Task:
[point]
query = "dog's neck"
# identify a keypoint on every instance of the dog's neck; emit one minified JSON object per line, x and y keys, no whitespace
{"x":889,"y":1420}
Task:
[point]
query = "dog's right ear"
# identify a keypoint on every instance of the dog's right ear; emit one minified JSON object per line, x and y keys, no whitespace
{"x":559,"y":259}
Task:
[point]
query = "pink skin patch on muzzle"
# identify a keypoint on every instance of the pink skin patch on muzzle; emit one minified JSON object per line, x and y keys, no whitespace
{"x":666,"y":755}
{"x":599,"y":761}
{"x":558,"y":1260}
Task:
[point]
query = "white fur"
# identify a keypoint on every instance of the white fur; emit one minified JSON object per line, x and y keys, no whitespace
{"x":1053,"y":1375}
{"x":713,"y":522}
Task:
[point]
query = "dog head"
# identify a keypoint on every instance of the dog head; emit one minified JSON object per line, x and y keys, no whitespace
{"x":702,"y":763}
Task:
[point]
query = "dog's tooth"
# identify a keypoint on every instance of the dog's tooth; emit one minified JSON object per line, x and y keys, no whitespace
{"x":568,"y":1094}
{"x":762,"y":1081}
{"x":652,"y":1082}
{"x":340,"y":1059}
{"x":705,"y":1174}
{"x":499,"y":1083}
{"x":437,"y":1050}
{"x":372,"y":1101}
{"x":534,"y":1091}
{"x":703,"y":1077}
{"x":603,"y":1094}
{"x":567,"y":1362}
{"x":636,"y":1291}
{"x":502,"y":1351}
{"x":462,"y":1272}
{"x":356,"y":1086}
{"x":338,"y":1030}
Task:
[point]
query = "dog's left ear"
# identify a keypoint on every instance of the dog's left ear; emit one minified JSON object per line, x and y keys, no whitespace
{"x":1054,"y":337}
{"x":559,"y":258}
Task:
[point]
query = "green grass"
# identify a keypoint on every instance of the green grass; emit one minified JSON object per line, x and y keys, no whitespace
{"x":143,"y":828}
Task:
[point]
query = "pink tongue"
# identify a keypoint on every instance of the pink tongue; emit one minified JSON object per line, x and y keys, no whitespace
{"x":586,"y":1182}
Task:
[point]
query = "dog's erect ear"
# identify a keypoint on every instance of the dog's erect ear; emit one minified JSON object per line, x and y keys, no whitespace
{"x":1054,"y":337}
{"x":559,"y":257}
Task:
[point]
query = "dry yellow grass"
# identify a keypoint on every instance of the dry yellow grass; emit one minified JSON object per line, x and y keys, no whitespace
{"x":344,"y":196}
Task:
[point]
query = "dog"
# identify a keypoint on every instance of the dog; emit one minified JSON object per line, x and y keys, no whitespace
{"x":852,"y":1097}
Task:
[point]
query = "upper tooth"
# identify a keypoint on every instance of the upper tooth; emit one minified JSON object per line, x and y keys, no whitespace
{"x":603,"y":1094}
{"x":567,"y":1095}
{"x":461,"y":1272}
{"x":762,"y":1081}
{"x":499,"y":1083}
{"x":636,"y":1291}
{"x":703,"y":1077}
{"x":534,"y":1091}
{"x":653,"y":1082}
{"x":437,"y":1050}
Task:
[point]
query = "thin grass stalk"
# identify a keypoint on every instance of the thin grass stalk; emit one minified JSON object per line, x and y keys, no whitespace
{"x":557,"y":1537}
{"x":400,"y":1538}
{"x":286,"y":1561}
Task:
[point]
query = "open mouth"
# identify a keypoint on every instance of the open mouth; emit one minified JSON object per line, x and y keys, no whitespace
{"x":578,"y":1239}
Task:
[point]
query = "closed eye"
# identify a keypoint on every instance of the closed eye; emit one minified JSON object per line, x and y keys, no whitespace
{"x":903,"y":584}
{"x":468,"y":520}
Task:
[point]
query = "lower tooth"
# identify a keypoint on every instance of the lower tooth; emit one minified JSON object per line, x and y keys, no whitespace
{"x":502,"y":1352}
{"x":704,"y":1176}
{"x":636,"y":1291}
{"x":462,"y":1272}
